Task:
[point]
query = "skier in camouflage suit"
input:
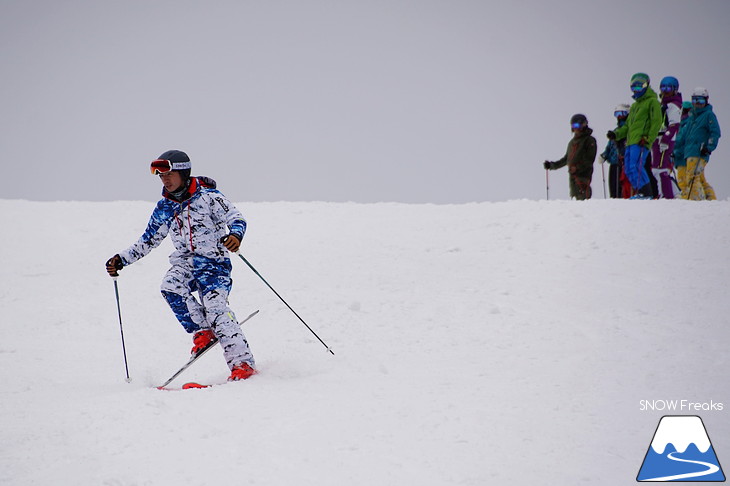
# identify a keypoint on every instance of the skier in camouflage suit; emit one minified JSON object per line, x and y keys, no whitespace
{"x":203,"y":224}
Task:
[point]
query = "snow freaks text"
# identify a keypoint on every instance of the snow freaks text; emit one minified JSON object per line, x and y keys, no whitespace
{"x":679,"y":406}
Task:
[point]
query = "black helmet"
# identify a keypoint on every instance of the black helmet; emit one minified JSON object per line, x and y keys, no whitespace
{"x":177,"y":156}
{"x":578,"y":121}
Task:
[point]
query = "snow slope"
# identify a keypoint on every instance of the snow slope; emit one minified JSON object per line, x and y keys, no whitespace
{"x":492,"y":343}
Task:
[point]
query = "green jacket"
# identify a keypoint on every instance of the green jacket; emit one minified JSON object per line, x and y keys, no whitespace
{"x":644,"y":121}
{"x":579,"y":156}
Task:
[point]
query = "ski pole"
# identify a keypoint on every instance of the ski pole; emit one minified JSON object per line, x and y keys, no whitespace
{"x":282,"y":299}
{"x":603,"y":172}
{"x":121,"y":329}
{"x":547,"y":184}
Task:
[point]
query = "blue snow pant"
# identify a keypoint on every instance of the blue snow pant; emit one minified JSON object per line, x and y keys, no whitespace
{"x":634,"y":161}
{"x":211,"y":280}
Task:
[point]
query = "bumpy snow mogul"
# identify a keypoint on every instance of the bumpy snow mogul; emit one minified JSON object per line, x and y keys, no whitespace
{"x":681,"y":451}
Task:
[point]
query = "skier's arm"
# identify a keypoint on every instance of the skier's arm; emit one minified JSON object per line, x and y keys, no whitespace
{"x":656,"y":120}
{"x":714,"y":129}
{"x":226,"y":212}
{"x":674,"y":116}
{"x":621,"y":132}
{"x":156,"y":231}
{"x":562,"y":162}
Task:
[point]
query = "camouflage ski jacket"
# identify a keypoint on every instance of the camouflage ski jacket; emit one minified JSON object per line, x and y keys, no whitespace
{"x":196,"y":225}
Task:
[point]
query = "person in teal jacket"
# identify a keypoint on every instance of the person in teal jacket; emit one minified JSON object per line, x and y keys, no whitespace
{"x":698,"y":137}
{"x":641,"y":129}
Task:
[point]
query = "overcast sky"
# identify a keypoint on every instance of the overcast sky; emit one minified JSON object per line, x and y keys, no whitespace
{"x":373,"y":100}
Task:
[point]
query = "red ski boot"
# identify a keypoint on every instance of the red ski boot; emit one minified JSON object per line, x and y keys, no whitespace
{"x":241,"y":372}
{"x":202,"y":340}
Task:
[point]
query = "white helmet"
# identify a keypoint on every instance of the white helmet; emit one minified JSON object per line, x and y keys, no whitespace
{"x":622,"y":107}
{"x":700,"y":91}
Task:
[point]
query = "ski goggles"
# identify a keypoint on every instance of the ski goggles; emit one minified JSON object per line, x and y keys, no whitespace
{"x":636,"y":87}
{"x":699,"y":100}
{"x":620,"y":114}
{"x":576,"y":125}
{"x":666,"y":88}
{"x":162,"y":166}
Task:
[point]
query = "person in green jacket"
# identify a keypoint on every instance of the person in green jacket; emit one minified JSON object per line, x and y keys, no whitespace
{"x":579,"y":158}
{"x":698,"y":137}
{"x":641,"y":129}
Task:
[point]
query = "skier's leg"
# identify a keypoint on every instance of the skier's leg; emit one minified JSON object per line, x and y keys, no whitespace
{"x":177,"y":288}
{"x":709,"y":191}
{"x":215,"y":282}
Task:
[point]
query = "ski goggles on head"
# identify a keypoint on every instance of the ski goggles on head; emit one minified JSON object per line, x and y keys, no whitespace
{"x":620,"y":114}
{"x":162,"y":166}
{"x":636,"y":87}
{"x":699,"y":100}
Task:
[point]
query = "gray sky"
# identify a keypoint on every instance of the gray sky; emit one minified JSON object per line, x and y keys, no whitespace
{"x":381,"y":100}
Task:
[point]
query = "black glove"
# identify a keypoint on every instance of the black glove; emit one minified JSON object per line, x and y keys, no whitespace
{"x":611,"y":135}
{"x":704,"y":151}
{"x":547,"y":164}
{"x":113,"y":265}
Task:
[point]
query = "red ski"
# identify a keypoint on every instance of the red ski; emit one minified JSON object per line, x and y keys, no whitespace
{"x":190,"y":385}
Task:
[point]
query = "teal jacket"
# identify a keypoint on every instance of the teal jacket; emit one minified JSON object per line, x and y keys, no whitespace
{"x":644,"y":121}
{"x":699,"y":130}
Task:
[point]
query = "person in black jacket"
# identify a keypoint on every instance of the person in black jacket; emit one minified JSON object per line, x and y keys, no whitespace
{"x":579,"y":158}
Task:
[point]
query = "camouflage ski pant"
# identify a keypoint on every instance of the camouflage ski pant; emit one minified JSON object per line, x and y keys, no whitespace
{"x":212,"y":282}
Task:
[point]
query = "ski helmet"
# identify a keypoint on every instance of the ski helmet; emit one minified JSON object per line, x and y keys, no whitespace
{"x":700,"y":96}
{"x":669,"y":84}
{"x":639,"y":84}
{"x":578,"y":121}
{"x":621,"y":110}
{"x":178,"y":161}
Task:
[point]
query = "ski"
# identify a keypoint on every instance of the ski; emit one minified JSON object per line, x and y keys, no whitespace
{"x":188,"y":386}
{"x":194,"y":358}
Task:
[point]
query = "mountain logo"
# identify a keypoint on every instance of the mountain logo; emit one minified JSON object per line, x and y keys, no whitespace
{"x":681,"y":451}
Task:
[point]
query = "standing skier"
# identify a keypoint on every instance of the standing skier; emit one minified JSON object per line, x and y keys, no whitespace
{"x":697,"y":139}
{"x":203,"y":224}
{"x":663,"y":148}
{"x":614,"y":154}
{"x":641,"y":129}
{"x":579,"y":158}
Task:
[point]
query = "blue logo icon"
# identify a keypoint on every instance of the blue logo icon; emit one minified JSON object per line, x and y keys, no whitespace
{"x":681,"y":451}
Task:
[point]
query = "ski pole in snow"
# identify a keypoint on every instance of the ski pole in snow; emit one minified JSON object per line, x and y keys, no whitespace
{"x":547,"y":184}
{"x":119,"y":311}
{"x":603,"y":172}
{"x":282,"y":299}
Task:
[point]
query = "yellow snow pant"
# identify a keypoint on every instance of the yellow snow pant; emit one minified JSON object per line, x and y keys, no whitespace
{"x":697,"y":188}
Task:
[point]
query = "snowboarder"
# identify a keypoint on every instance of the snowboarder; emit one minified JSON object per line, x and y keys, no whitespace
{"x":641,"y":129}
{"x":579,"y":158}
{"x":203,"y":224}
{"x":663,"y":147}
{"x":614,"y":154}
{"x":698,"y":138}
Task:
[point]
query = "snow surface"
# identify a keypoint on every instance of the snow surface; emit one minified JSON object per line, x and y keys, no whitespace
{"x":494,"y":343}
